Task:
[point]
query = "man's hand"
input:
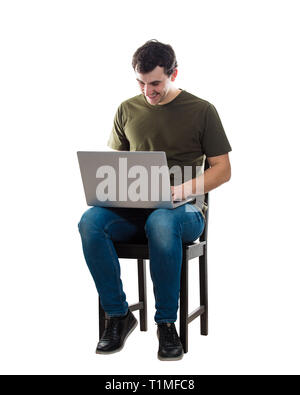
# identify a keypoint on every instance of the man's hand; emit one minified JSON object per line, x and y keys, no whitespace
{"x":182,"y":191}
{"x":218,"y":173}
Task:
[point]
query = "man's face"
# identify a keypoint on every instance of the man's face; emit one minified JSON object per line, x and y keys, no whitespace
{"x":155,"y":85}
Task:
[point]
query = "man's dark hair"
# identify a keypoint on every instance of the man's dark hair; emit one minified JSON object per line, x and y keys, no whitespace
{"x":152,"y":54}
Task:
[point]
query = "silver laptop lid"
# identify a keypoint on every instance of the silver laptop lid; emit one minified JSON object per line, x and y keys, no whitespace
{"x":138,"y":179}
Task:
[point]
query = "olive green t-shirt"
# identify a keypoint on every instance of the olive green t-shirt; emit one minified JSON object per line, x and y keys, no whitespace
{"x":187,"y":129}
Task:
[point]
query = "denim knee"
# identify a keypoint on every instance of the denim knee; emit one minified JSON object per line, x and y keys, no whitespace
{"x":90,"y":222}
{"x":161,"y":226}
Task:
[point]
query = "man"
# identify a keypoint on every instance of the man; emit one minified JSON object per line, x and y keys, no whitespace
{"x":187,"y":128}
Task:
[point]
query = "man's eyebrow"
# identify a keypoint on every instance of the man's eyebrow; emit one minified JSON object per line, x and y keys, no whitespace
{"x":153,"y":82}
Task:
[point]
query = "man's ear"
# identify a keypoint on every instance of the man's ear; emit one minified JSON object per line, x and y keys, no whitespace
{"x":174,"y":75}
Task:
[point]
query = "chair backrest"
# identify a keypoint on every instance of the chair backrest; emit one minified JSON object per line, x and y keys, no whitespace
{"x":203,"y":237}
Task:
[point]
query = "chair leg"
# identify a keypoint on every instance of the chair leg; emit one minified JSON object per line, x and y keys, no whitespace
{"x":142,"y":293}
{"x":203,"y":291}
{"x":102,"y":317}
{"x":184,"y":303}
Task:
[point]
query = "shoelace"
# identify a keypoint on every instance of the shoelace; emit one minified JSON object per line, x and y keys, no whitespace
{"x":168,"y":334}
{"x":110,"y":331}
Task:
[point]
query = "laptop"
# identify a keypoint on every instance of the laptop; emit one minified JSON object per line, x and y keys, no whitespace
{"x":129,"y":179}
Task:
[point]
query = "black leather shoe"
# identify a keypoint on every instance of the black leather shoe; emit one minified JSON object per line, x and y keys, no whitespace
{"x":115,"y":333}
{"x":170,"y":347}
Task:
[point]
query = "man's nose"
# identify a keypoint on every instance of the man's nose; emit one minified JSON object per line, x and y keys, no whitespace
{"x":148,"y":90}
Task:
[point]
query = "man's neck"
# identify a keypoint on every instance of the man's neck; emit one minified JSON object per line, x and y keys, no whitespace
{"x":172,"y":95}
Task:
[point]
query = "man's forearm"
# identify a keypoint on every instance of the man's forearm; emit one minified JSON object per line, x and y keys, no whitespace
{"x":211,"y":179}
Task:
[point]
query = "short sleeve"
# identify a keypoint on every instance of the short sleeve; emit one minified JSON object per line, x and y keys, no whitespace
{"x":214,"y":140}
{"x":117,"y":139}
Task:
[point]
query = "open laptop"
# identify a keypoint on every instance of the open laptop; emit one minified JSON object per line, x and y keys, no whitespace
{"x":131,"y":179}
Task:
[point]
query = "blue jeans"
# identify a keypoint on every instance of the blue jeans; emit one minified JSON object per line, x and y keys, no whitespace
{"x":164,"y":229}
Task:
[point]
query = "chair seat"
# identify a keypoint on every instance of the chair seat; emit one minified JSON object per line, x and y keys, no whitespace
{"x":141,"y":251}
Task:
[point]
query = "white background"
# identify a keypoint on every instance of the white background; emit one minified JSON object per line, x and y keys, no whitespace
{"x":65,"y":67}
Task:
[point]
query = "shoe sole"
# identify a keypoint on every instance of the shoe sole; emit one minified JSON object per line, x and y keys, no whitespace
{"x":169,"y":359}
{"x":120,"y":348}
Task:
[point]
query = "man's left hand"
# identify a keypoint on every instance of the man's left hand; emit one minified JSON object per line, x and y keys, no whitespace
{"x":182,"y":191}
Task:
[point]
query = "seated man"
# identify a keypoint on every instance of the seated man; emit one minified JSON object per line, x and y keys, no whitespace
{"x":188,"y":129}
